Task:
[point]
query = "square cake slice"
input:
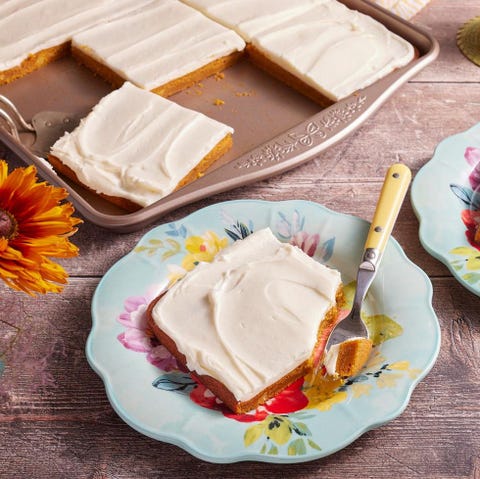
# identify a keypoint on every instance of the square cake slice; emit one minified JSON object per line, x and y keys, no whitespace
{"x":247,"y":324}
{"x":34,"y":33}
{"x":164,"y":46}
{"x":136,"y":147}
{"x":319,"y":47}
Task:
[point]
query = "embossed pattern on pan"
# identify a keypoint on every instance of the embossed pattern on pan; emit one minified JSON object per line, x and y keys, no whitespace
{"x":276,"y":128}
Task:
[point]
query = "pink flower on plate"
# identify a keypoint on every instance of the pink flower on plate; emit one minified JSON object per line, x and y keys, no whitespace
{"x":137,"y":337}
{"x":160,"y":356}
{"x":472,"y":155}
{"x":308,"y":243}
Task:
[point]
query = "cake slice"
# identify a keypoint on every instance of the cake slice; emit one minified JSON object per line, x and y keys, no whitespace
{"x":34,"y":33}
{"x":248,"y":323}
{"x":164,"y":46}
{"x":136,"y":147}
{"x":347,"y":358}
{"x":319,"y":47}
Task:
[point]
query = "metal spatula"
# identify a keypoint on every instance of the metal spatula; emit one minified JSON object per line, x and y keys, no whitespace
{"x":352,"y":327}
{"x":47,"y":126}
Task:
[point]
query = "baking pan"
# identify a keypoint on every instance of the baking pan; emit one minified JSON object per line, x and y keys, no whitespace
{"x":276,"y":128}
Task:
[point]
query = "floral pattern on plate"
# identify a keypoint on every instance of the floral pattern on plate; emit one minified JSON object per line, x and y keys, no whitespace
{"x":311,"y":418}
{"x":446,"y":198}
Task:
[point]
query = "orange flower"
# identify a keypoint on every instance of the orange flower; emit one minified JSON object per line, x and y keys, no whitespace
{"x":34,"y":225}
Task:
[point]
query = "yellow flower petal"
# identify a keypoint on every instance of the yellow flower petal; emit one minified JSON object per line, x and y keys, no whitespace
{"x":400,"y":365}
{"x":388,"y":380}
{"x":360,"y":389}
{"x":43,"y":227}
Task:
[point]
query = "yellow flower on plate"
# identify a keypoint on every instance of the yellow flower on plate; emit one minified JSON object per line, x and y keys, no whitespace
{"x":388,"y":380}
{"x":405,"y":366}
{"x":34,"y":226}
{"x":202,"y":249}
{"x":472,"y":257}
{"x":360,"y":389}
{"x":322,"y":392}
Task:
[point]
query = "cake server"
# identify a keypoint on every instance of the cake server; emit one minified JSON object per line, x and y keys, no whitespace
{"x":47,"y":126}
{"x":349,"y":338}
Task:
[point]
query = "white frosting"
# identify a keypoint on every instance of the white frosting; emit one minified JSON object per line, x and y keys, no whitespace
{"x":157,"y":43}
{"x":29,"y":26}
{"x":252,"y":315}
{"x":328,"y":46}
{"x":137,"y":145}
{"x":250,"y":17}
{"x":330,"y":359}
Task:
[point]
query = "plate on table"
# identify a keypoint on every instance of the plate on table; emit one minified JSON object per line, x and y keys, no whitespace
{"x":310,"y":419}
{"x":446,"y":198}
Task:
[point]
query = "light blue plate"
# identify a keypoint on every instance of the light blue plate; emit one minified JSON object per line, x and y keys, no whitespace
{"x":303,"y":423}
{"x":441,"y":196}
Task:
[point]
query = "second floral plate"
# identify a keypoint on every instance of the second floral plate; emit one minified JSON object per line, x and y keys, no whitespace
{"x":446,"y":198}
{"x":311,"y":418}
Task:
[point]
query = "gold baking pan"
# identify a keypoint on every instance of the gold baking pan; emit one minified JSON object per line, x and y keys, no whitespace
{"x":276,"y":128}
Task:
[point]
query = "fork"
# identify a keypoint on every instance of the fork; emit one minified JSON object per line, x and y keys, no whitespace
{"x":348,"y":346}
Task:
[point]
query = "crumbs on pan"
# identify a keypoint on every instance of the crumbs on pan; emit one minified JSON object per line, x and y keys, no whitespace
{"x":245,"y":93}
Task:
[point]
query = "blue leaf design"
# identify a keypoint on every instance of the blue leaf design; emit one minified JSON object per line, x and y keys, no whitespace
{"x":244,"y":230}
{"x":183,"y":231}
{"x":175,"y":381}
{"x":302,"y":222}
{"x":463,"y":193}
{"x":239,"y":231}
{"x":328,"y":247}
{"x":174,"y":231}
{"x":232,"y":234}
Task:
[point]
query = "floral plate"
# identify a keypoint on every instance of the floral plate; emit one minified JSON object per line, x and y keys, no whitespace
{"x":446,"y":199}
{"x":311,"y":418}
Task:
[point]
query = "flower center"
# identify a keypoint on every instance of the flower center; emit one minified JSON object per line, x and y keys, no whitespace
{"x":8,"y":225}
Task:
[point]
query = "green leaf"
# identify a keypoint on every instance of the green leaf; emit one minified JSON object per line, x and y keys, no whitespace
{"x":382,"y":328}
{"x":297,"y":448}
{"x":168,"y":254}
{"x":463,"y":250}
{"x":156,"y":242}
{"x":252,"y":434}
{"x":273,"y":450}
{"x":301,"y":429}
{"x":314,"y":445}
{"x":174,"y":244}
{"x":472,"y":278}
{"x":263,"y":450}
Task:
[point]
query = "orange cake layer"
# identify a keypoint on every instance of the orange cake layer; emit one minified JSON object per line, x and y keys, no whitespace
{"x":136,"y":147}
{"x":221,"y":391}
{"x":166,"y":90}
{"x":164,"y":46}
{"x":247,"y":356}
{"x":218,"y":151}
{"x":274,"y":69}
{"x":35,"y":61}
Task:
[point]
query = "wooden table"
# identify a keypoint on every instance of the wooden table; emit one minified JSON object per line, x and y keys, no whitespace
{"x":55,"y":418}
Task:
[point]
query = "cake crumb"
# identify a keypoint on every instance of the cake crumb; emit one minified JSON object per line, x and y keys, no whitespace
{"x":219,"y":76}
{"x":218,"y":102}
{"x":245,"y":93}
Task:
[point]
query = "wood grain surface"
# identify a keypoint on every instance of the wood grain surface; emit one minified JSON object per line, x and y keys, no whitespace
{"x":56,"y":420}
